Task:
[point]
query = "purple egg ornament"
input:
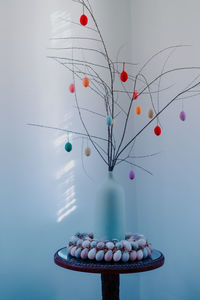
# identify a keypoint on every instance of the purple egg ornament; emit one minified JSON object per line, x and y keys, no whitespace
{"x":131,"y":175}
{"x":182,"y":116}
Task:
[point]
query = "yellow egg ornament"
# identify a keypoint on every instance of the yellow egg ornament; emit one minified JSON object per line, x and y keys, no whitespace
{"x":150,"y":113}
{"x":113,"y":123}
{"x":138,"y":109}
{"x":85,"y":82}
{"x":87,"y":151}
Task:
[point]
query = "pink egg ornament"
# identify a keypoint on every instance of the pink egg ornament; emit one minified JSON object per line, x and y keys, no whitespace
{"x":72,"y":88}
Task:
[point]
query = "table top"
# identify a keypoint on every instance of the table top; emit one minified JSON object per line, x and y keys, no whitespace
{"x":64,"y":260}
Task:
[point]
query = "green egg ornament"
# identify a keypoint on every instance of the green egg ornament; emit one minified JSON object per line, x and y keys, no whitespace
{"x":68,"y":147}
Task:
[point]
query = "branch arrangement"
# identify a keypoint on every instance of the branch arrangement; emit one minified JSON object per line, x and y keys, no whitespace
{"x":109,"y":90}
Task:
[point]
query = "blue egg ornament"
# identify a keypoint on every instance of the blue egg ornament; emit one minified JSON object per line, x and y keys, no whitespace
{"x":109,"y":120}
{"x":68,"y":147}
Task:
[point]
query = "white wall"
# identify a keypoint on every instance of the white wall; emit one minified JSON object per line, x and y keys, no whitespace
{"x":168,"y":202}
{"x":35,"y":89}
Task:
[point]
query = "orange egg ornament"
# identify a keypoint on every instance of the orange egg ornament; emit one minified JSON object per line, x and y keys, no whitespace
{"x":85,"y":82}
{"x":138,"y":109}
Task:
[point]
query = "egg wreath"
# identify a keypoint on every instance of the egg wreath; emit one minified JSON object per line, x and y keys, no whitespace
{"x":134,"y":247}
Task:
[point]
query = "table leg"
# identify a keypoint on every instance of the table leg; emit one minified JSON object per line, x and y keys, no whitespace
{"x":110,"y":286}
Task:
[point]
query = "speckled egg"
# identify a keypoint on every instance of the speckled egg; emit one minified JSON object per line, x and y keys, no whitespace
{"x":69,"y":249}
{"x":78,"y":253}
{"x":145,"y":252}
{"x":86,"y":244}
{"x":149,"y":251}
{"x":115,"y":240}
{"x":125,"y":256}
{"x":139,"y":254}
{"x":150,"y":247}
{"x":93,"y":244}
{"x":74,"y":239}
{"x":127,"y":245}
{"x":110,"y":245}
{"x":73,"y":250}
{"x":117,"y":255}
{"x":108,"y":255}
{"x":134,"y":245}
{"x":119,"y":245}
{"x":79,"y":242}
{"x":92,"y":253}
{"x":100,"y":255}
{"x":133,"y":255}
{"x":84,"y":253}
{"x":142,"y":242}
{"x":100,"y":245}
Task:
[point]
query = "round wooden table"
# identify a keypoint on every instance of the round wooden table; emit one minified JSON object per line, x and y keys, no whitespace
{"x":109,"y":271}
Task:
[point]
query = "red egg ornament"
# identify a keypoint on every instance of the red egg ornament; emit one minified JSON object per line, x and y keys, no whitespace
{"x":135,"y":94}
{"x":123,"y":75}
{"x":72,"y":88}
{"x":83,"y":20}
{"x":157,"y":130}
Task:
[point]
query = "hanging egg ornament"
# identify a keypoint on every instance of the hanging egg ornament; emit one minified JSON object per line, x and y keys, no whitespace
{"x":131,"y":175}
{"x":109,"y":120}
{"x":68,"y":147}
{"x":113,"y":123}
{"x":135,"y":94}
{"x":182,"y":116}
{"x":138,"y":109}
{"x":157,"y":130}
{"x":123,"y":75}
{"x":83,"y":20}
{"x":150,"y":113}
{"x":87,"y":151}
{"x":72,"y":88}
{"x":85,"y":82}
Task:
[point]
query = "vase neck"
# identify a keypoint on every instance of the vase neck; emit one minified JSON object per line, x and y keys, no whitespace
{"x":110,"y":174}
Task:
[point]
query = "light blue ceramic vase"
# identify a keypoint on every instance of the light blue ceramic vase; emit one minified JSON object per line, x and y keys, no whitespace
{"x":110,"y":210}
